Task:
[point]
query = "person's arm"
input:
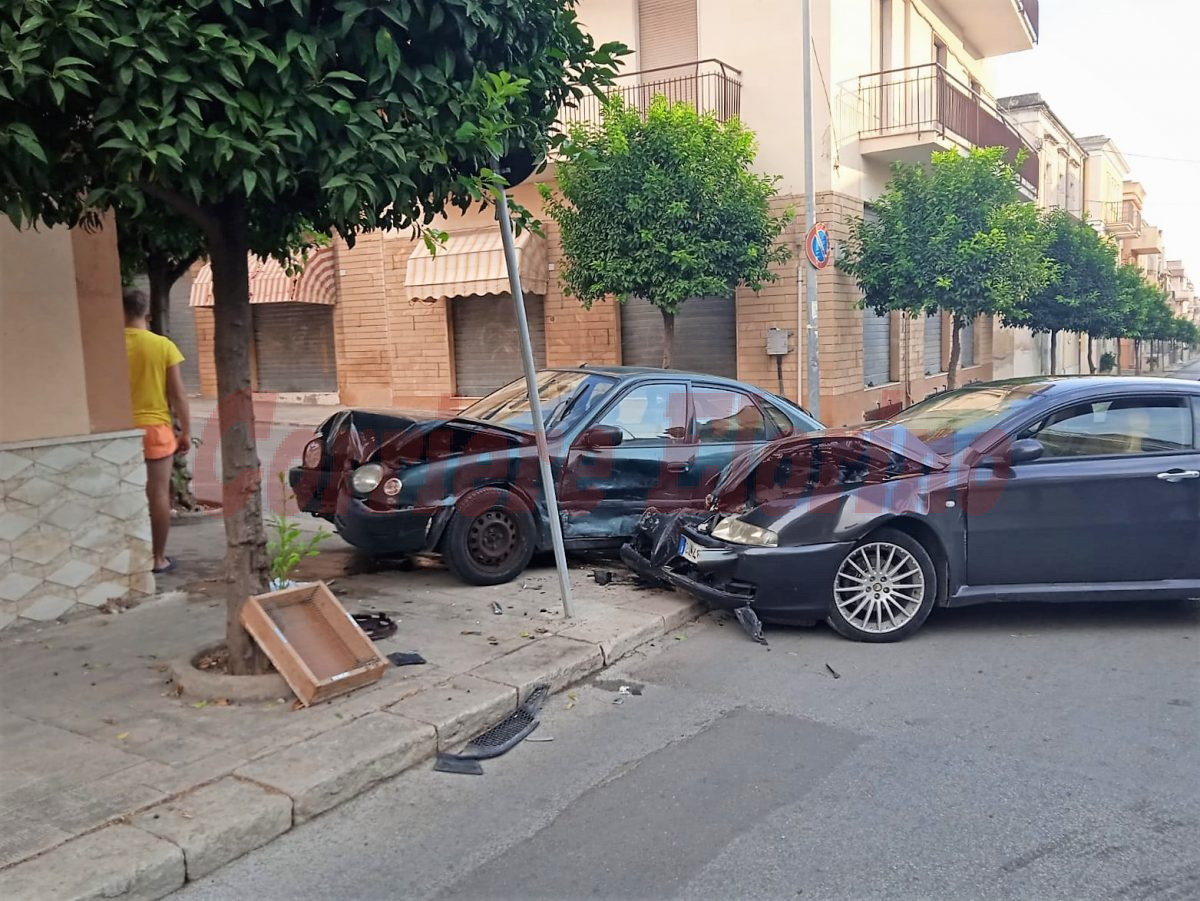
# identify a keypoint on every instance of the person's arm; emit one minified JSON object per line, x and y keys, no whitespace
{"x":177,"y":398}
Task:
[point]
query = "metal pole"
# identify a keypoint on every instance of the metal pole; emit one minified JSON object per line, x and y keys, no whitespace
{"x":810,"y":219}
{"x":539,"y":425}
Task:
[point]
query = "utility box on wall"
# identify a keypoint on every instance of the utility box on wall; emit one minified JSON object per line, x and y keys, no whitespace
{"x":778,"y":342}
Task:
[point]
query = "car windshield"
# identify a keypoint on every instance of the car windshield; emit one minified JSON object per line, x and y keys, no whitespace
{"x":950,"y":421}
{"x":564,"y":396}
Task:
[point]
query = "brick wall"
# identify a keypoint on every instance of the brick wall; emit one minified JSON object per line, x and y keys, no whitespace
{"x":575,"y":335}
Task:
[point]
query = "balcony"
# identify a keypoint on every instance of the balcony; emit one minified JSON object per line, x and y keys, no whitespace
{"x":709,"y":86}
{"x":905,"y":114}
{"x":1122,"y":219}
{"x":993,"y":27}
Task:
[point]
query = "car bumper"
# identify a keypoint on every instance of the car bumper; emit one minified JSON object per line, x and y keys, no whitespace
{"x":315,"y":490}
{"x":405,"y":531}
{"x":781,"y":584}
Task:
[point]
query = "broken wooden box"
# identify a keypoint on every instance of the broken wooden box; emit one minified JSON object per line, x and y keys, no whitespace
{"x":314,"y":643}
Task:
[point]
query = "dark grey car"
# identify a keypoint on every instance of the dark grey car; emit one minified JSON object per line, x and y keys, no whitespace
{"x":1044,"y":489}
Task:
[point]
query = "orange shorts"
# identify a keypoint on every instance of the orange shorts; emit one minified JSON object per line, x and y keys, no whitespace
{"x":158,"y":442}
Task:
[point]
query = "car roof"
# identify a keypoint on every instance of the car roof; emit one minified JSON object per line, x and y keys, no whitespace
{"x":1066,"y":386}
{"x":645,"y":372}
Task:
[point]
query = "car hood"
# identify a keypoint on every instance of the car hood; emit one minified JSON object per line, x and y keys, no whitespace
{"x":831,"y":459}
{"x":366,"y":435}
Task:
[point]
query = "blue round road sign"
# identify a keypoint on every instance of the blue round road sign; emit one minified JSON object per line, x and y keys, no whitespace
{"x":816,"y":246}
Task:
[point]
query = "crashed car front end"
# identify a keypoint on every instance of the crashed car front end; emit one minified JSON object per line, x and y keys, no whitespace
{"x":780,"y":521}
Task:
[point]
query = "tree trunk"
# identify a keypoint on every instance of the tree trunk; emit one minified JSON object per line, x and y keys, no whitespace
{"x":1054,"y":352}
{"x":1137,"y":356}
{"x":668,"y":337}
{"x":1091,"y":364}
{"x":955,"y":352}
{"x":159,"y":274}
{"x":241,"y":489}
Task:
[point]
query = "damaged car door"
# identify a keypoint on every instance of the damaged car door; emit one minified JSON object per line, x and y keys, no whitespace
{"x":636,"y":453}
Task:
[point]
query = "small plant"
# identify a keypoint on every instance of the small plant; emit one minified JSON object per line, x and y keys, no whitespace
{"x":1108,"y":361}
{"x":286,"y":546}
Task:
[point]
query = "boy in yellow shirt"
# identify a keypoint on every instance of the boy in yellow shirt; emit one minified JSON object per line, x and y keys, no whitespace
{"x":156,"y":388}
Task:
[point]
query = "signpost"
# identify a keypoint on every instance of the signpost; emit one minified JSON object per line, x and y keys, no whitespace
{"x":816,"y":246}
{"x":815,"y":231}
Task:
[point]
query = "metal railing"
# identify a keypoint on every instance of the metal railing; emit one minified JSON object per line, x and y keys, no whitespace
{"x":1122,"y":214}
{"x":927,"y":98}
{"x":709,"y":86}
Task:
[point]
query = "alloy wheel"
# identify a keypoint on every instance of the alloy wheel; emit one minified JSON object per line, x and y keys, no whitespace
{"x":879,"y":587}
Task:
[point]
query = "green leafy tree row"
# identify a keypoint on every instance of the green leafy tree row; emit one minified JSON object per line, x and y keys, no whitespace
{"x":250,"y":119}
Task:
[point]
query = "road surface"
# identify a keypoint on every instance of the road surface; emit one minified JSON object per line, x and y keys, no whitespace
{"x":1018,"y":751}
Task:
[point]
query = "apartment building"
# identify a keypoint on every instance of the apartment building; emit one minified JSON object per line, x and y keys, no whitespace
{"x":1182,"y":292}
{"x":893,"y":80}
{"x":1061,"y":159}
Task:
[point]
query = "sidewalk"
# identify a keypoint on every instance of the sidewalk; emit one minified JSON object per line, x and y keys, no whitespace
{"x":112,"y":786}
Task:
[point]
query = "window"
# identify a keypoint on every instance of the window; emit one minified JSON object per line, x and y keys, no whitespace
{"x":966,"y":341}
{"x":1126,"y":426}
{"x":783,"y":425}
{"x":651,"y":414}
{"x":724,"y":417}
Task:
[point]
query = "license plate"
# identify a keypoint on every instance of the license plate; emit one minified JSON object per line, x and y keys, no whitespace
{"x":689,"y":550}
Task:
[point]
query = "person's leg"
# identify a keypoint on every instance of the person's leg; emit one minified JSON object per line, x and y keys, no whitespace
{"x":158,"y":493}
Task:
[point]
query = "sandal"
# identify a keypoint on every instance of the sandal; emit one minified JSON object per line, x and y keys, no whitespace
{"x":170,"y":567}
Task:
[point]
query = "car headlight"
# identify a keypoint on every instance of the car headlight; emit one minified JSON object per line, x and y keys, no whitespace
{"x":366,"y":478}
{"x":312,"y":454}
{"x":733,"y":529}
{"x":392,"y":487}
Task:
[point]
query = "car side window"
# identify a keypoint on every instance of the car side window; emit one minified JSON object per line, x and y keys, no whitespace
{"x":783,"y":424}
{"x":1124,"y":426}
{"x":650,"y":414}
{"x":726,"y":417}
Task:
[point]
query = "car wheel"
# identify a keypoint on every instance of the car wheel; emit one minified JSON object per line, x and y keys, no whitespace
{"x":490,"y":540}
{"x":884,"y":588}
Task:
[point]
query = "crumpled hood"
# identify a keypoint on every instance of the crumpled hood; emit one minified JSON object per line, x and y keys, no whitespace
{"x":833,"y":458}
{"x":365,"y":435}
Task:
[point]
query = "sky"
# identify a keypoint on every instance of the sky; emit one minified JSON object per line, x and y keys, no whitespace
{"x":1130,"y":70}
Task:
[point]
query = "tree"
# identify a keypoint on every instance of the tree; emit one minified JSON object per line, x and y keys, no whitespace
{"x":664,"y":207}
{"x":250,"y":117}
{"x":1083,"y":282}
{"x":1146,"y":314}
{"x":162,"y":246}
{"x":950,"y":236}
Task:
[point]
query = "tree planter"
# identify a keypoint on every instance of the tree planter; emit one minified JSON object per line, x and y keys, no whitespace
{"x":208,"y":686}
{"x":208,"y":510}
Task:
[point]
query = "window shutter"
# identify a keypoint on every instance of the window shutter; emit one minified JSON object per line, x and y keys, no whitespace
{"x":667,"y":33}
{"x":877,"y":348}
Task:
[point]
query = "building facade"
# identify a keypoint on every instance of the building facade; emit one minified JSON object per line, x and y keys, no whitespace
{"x":893,"y":80}
{"x":74,"y":526}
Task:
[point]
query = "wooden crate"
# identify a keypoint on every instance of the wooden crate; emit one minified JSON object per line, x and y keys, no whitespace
{"x":313,"y":642}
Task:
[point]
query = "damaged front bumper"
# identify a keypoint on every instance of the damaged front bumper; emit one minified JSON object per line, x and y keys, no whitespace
{"x":791,"y":585}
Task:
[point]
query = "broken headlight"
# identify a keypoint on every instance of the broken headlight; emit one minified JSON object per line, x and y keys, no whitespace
{"x":738,"y":531}
{"x":366,"y":478}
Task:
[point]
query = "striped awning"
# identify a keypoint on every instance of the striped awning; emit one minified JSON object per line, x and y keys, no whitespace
{"x":270,"y":283}
{"x":472,"y":263}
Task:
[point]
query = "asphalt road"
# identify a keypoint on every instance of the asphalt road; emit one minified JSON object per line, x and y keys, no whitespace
{"x":1005,"y":752}
{"x":1190,"y":371}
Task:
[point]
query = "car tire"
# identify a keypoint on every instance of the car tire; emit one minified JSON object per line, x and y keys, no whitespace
{"x":876,"y":596}
{"x":491,"y":537}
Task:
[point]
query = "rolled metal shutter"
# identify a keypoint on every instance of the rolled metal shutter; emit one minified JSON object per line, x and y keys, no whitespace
{"x":705,"y":335}
{"x":877,"y":348}
{"x":487,"y":350}
{"x":932,"y":354}
{"x":293,"y":347}
{"x":183,"y":333}
{"x":967,"y":340}
{"x":668,"y":34}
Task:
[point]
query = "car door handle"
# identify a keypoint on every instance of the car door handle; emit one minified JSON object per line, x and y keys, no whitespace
{"x":678,"y":467}
{"x":1178,"y":475}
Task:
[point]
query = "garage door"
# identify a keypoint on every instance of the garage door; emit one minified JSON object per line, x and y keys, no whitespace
{"x":877,"y":348}
{"x":293,"y":347}
{"x":967,"y":340}
{"x":705,"y":335}
{"x":487,"y":352}
{"x":933,"y":344}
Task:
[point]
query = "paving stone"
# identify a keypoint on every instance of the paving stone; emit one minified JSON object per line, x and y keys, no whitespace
{"x":42,"y":545}
{"x":99,"y":595}
{"x":121,"y":451}
{"x":114,"y":862}
{"x":14,"y":525}
{"x":46,"y":607}
{"x":330,"y":768}
{"x":12,"y":465}
{"x":72,"y":574}
{"x":103,"y":535}
{"x":127,"y":505}
{"x":219,"y":822}
{"x":617,"y":630}
{"x":557,"y":661}
{"x":94,"y":481}
{"x":37,"y":491}
{"x":63,"y":457}
{"x":459,"y":709}
{"x":15,"y":586}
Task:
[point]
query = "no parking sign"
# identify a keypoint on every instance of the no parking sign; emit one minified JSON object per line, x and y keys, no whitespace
{"x":816,"y":246}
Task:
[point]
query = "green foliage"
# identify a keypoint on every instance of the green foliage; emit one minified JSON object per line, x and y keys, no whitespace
{"x":155,"y":238}
{"x":950,"y":236}
{"x":664,"y":207}
{"x":1108,"y":361}
{"x":344,"y":114}
{"x":286,"y":548}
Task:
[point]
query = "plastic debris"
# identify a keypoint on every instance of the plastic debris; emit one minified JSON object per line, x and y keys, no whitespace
{"x":833,"y":672}
{"x":751,"y":623}
{"x":497,"y":609}
{"x":403,"y":658}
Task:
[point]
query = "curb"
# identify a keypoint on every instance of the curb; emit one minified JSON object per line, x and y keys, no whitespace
{"x":155,"y":852}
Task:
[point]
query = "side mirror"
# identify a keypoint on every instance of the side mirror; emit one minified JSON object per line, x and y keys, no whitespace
{"x":1025,"y":451}
{"x":599,"y":436}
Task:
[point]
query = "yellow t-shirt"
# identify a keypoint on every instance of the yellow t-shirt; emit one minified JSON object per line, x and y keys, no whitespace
{"x":150,"y":356}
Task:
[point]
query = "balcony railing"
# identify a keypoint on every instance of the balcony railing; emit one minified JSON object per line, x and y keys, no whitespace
{"x":709,"y":86}
{"x":928,"y":99}
{"x":1122,"y":215}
